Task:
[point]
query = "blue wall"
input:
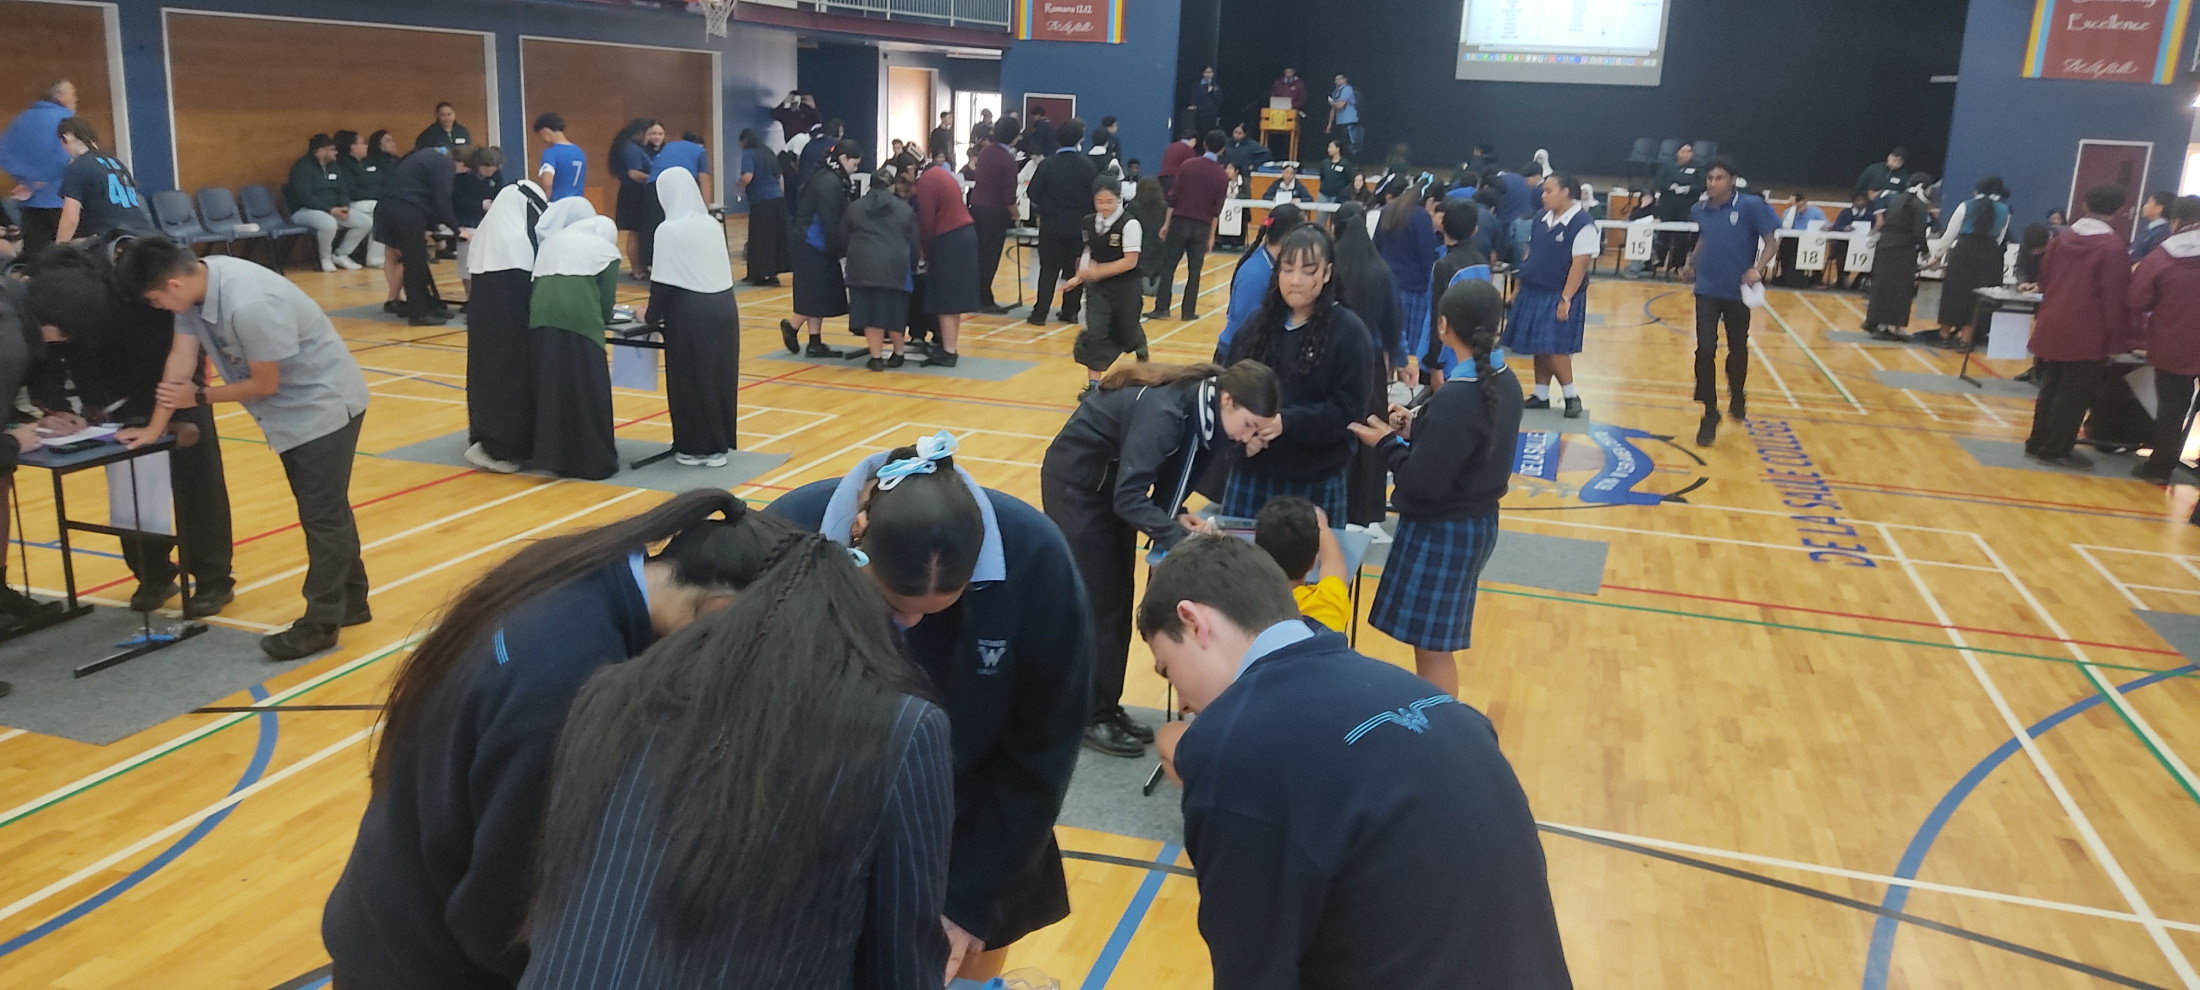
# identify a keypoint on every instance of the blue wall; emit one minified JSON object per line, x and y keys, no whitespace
{"x":845,"y":78}
{"x":758,"y":63}
{"x":2027,"y":130}
{"x":1134,"y":81}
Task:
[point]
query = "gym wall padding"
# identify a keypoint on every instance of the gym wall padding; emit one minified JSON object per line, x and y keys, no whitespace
{"x":44,"y":41}
{"x":597,"y":88}
{"x":245,"y":103}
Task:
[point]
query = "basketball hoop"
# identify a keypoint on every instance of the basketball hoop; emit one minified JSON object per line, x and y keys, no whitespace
{"x":715,"y":13}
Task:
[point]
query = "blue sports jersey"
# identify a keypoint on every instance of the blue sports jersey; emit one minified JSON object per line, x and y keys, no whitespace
{"x":571,"y":167}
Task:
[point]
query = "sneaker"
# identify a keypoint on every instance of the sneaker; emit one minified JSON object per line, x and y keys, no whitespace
{"x":896,"y":360}
{"x":789,"y":336}
{"x":358,"y":615}
{"x":940,"y":359}
{"x":208,"y":601}
{"x":328,"y":265}
{"x":298,"y":642}
{"x":876,"y":364}
{"x":1090,"y":387}
{"x":347,"y":264}
{"x":1708,"y":430}
{"x":1108,"y":738}
{"x":478,"y":456}
{"x":149,"y":596}
{"x":1535,"y":402}
{"x":717,"y":460}
{"x":817,"y":349}
{"x":1132,"y":727}
{"x":1880,"y":331}
{"x":1573,"y":408}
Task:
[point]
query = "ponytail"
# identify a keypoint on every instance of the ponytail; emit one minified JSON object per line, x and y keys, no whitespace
{"x":704,"y":552}
{"x":1473,"y":310}
{"x":1250,"y":384}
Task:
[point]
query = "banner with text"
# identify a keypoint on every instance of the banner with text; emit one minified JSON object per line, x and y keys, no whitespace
{"x":1099,"y":21}
{"x":2105,"y":40}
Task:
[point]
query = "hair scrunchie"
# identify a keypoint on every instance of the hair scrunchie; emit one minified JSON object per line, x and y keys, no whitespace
{"x":930,"y":450}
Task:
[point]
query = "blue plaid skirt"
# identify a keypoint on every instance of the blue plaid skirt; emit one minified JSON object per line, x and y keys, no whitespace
{"x":1413,"y":309}
{"x":1426,"y":598}
{"x":1533,"y":328}
{"x":1246,"y":492}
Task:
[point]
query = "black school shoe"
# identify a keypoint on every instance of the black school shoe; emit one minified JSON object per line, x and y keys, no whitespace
{"x":876,"y":364}
{"x":1108,"y":738}
{"x":1132,"y":727}
{"x":819,"y":349}
{"x":149,"y":596}
{"x":208,"y":601}
{"x":940,"y":359}
{"x":896,"y":360}
{"x":2141,"y":472}
{"x":298,"y":642}
{"x":790,"y":337}
{"x":2072,"y":460}
{"x":1707,"y":431}
{"x":1738,"y":407}
{"x":1573,"y":408}
{"x":358,"y":615}
{"x":1535,"y":402}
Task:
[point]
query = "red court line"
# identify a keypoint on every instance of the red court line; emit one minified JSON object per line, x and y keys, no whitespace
{"x":1889,"y":619}
{"x":944,"y":396}
{"x":2002,"y":498}
{"x":661,"y":412}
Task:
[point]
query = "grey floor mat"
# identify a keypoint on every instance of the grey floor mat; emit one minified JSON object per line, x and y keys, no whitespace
{"x":128,"y":699}
{"x":1926,"y":381}
{"x":1865,"y":339}
{"x":2181,"y":631}
{"x":665,"y":475}
{"x":1104,"y":794}
{"x":2010,"y":454}
{"x":975,"y":368}
{"x":1531,"y":560}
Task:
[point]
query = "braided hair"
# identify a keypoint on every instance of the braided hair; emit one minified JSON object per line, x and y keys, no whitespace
{"x":1300,"y":351}
{"x":1471,"y":311}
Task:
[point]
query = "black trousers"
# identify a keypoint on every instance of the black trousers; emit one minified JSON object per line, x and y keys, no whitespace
{"x":2066,"y":392}
{"x":1669,"y":248}
{"x":1057,"y":260}
{"x":40,"y":224}
{"x":408,"y":228}
{"x":202,"y":503}
{"x":1710,"y":312}
{"x":1106,"y":550}
{"x":993,"y":224}
{"x":319,"y":472}
{"x":1187,"y":239}
{"x":2172,"y":420}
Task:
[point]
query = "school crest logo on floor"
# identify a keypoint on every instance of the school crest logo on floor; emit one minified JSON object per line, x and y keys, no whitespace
{"x":1602,"y":464}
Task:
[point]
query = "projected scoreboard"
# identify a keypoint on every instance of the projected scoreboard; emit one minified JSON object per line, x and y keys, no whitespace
{"x":1611,"y":42}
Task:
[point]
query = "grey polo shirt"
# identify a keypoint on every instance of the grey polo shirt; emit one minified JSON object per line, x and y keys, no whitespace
{"x":252,"y":314}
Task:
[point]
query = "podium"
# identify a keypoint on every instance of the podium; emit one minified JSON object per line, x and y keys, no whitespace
{"x":1283,"y":121}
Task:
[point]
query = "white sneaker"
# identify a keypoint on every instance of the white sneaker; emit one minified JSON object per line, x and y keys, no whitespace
{"x":347,"y":264}
{"x":1376,"y":535}
{"x":717,"y":460}
{"x":480,"y":458}
{"x":327,"y":265}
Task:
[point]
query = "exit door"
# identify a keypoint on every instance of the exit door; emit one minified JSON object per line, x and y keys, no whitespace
{"x":2111,"y":163}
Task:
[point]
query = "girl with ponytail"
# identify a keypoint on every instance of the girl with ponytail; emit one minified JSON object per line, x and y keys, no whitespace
{"x":437,"y":889}
{"x":1123,"y":466}
{"x":1447,"y":489}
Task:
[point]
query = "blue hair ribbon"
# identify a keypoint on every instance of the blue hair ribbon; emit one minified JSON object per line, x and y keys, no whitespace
{"x":929,"y":452}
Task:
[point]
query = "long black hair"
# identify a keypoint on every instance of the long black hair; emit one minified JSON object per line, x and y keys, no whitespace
{"x":704,"y":552}
{"x":1363,"y":280}
{"x":1249,"y":384}
{"x":1297,"y":352}
{"x":763,"y":740}
{"x":767,"y":164}
{"x":1474,"y":310}
{"x":1283,"y":219}
{"x":631,"y":133}
{"x":374,"y":147}
{"x":923,"y":534}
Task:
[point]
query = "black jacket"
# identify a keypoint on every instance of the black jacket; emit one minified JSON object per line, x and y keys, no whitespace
{"x":1142,"y":443}
{"x":879,"y":234}
{"x":824,"y":201}
{"x":1462,"y":464}
{"x":439,"y":882}
{"x":362,"y":178}
{"x":470,"y":192}
{"x":1013,"y":662}
{"x":21,"y":347}
{"x":1317,"y":402}
{"x":1061,"y":193}
{"x":1353,"y":826}
{"x":116,"y":348}
{"x":423,"y":180}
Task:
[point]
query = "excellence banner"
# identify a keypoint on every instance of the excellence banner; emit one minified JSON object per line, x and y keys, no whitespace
{"x":2106,"y":40}
{"x":1099,"y":21}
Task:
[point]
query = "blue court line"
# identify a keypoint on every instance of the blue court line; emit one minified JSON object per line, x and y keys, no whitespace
{"x":56,"y":545}
{"x":252,"y":773}
{"x":1876,"y":962}
{"x":1127,"y":926}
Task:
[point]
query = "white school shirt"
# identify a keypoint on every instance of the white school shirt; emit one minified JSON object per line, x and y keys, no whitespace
{"x":1590,"y":242}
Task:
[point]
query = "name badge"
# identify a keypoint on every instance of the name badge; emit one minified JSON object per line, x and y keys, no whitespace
{"x":458,"y":140}
{"x":1115,"y":240}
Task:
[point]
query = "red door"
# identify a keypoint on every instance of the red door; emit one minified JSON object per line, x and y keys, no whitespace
{"x":2111,"y":163}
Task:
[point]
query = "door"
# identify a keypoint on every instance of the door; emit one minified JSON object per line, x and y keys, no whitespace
{"x":909,"y":114}
{"x":2111,"y":163}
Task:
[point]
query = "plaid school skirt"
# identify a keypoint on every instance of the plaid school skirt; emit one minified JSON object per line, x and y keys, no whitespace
{"x":1413,"y":310}
{"x":1426,"y":598}
{"x":1246,"y":492}
{"x":1533,"y":326}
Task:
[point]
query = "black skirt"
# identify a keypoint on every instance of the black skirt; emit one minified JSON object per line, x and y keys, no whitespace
{"x":1894,"y":285}
{"x":702,"y":367}
{"x":1040,"y":898}
{"x":500,"y":391}
{"x":818,"y":287}
{"x":952,"y":274}
{"x":1973,"y":263}
{"x":573,"y":429}
{"x":888,"y":308}
{"x":767,"y":250}
{"x":637,"y":208}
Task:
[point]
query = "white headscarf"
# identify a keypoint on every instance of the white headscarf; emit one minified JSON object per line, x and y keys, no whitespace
{"x":503,"y":241}
{"x":583,"y":247}
{"x":562,"y":214}
{"x":691,"y":246}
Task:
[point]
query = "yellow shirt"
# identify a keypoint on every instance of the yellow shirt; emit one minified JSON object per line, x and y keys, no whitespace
{"x":1328,"y":602}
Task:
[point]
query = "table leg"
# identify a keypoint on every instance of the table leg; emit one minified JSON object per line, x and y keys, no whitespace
{"x":61,"y":522}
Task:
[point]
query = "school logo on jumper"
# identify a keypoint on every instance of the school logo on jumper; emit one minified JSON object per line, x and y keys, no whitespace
{"x":990,"y":652}
{"x":1605,"y":465}
{"x":1414,"y":717}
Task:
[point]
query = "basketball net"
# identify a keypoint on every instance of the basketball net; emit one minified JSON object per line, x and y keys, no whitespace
{"x":715,"y":13}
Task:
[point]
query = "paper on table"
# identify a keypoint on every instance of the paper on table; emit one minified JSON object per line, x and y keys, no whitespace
{"x":87,"y":433}
{"x":2009,"y":336}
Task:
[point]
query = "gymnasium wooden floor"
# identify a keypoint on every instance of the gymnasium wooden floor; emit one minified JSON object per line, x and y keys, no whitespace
{"x":1741,"y":753}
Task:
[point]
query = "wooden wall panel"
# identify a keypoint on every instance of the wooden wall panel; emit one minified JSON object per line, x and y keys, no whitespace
{"x":598,"y":88}
{"x":42,"y":41}
{"x":248,"y":92}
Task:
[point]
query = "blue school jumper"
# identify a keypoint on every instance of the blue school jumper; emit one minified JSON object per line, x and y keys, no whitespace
{"x":1533,"y":326}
